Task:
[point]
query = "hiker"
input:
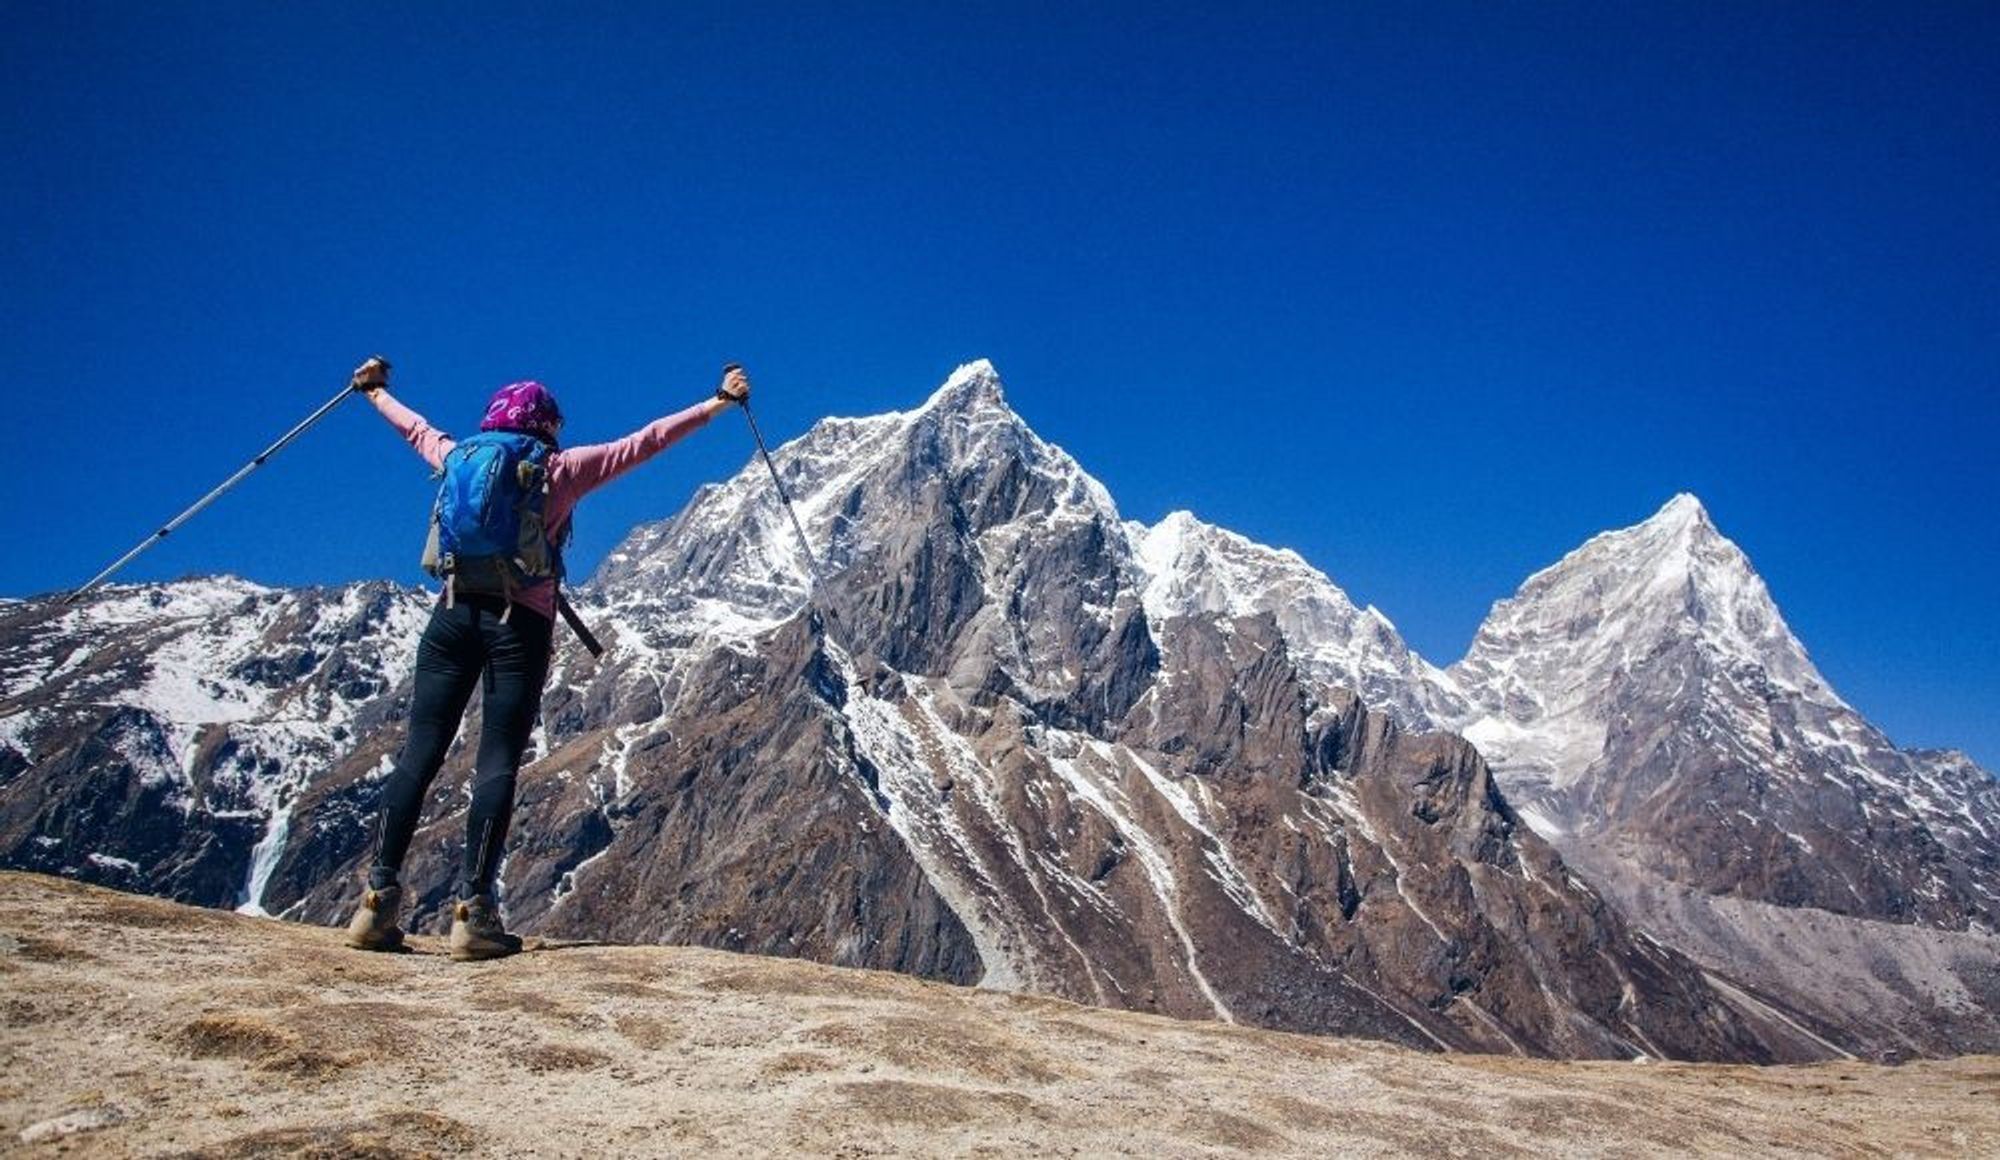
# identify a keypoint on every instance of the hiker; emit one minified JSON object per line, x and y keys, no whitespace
{"x":494,"y":619}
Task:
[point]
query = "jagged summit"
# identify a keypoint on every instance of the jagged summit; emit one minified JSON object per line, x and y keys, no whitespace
{"x":1182,"y":530}
{"x":845,"y":475}
{"x":1678,"y":524}
{"x":1685,"y":507}
{"x":973,"y":386}
{"x":1666,"y":542}
{"x":967,"y":424}
{"x":1682,"y":524}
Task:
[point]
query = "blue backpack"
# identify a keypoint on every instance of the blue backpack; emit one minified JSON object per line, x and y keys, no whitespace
{"x":489,"y":529}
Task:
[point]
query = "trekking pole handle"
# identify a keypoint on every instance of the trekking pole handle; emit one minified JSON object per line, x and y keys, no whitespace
{"x":373,"y":360}
{"x":727,"y":370}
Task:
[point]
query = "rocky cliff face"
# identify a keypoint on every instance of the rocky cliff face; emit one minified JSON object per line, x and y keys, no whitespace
{"x":1009,"y":738}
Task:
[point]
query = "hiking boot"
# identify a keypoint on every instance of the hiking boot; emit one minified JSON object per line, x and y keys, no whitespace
{"x":373,"y":927}
{"x":476,"y":932}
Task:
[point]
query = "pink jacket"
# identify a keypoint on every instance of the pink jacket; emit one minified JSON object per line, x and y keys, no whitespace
{"x":574,"y":472}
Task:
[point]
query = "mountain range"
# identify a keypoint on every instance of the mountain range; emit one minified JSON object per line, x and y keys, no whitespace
{"x":1012,"y":739}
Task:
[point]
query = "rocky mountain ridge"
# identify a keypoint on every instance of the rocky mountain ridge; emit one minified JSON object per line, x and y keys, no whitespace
{"x":1012,"y":738}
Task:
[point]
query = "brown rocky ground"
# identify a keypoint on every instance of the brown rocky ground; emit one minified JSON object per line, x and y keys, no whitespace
{"x":134,"y":1026}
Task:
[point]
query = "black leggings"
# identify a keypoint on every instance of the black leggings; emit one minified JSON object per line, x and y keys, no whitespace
{"x":462,"y":643}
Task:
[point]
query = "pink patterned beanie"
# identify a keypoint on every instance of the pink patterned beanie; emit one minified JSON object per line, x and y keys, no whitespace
{"x":527,"y":407}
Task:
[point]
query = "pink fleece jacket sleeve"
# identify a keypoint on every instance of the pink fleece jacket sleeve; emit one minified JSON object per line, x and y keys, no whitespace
{"x":429,"y":442}
{"x":579,"y":470}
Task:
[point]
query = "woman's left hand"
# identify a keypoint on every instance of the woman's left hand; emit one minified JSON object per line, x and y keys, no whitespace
{"x":370,"y":376}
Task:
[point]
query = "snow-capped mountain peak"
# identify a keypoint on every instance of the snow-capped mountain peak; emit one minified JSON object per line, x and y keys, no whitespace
{"x":1194,"y":568}
{"x":973,"y":386}
{"x":1647,"y":685}
{"x":1625,"y":596}
{"x":967,"y":423}
{"x":1685,"y":508}
{"x":1548,"y":660}
{"x":730,"y":565}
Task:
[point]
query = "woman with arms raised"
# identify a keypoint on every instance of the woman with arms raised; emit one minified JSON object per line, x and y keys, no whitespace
{"x":497,"y":531}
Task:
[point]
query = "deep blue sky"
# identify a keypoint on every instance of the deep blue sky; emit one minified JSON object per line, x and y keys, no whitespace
{"x":1429,"y":293}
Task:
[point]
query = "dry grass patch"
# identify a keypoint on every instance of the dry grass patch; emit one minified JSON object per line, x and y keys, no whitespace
{"x":264,"y":1045}
{"x":934,"y":1105}
{"x":37,"y":949}
{"x":796,"y":1063}
{"x":402,"y":1135}
{"x":933,"y":1046}
{"x":650,"y":1032}
{"x":550,"y":1057}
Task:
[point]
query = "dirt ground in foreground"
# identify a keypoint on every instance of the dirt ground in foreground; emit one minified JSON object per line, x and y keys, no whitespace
{"x":131,"y":1026}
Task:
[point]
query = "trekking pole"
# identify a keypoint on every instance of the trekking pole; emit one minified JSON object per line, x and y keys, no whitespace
{"x":804,"y":545}
{"x":822,"y":618}
{"x":167,"y":528}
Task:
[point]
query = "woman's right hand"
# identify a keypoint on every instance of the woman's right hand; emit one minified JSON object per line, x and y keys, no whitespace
{"x":735,"y":386}
{"x":370,"y":376}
